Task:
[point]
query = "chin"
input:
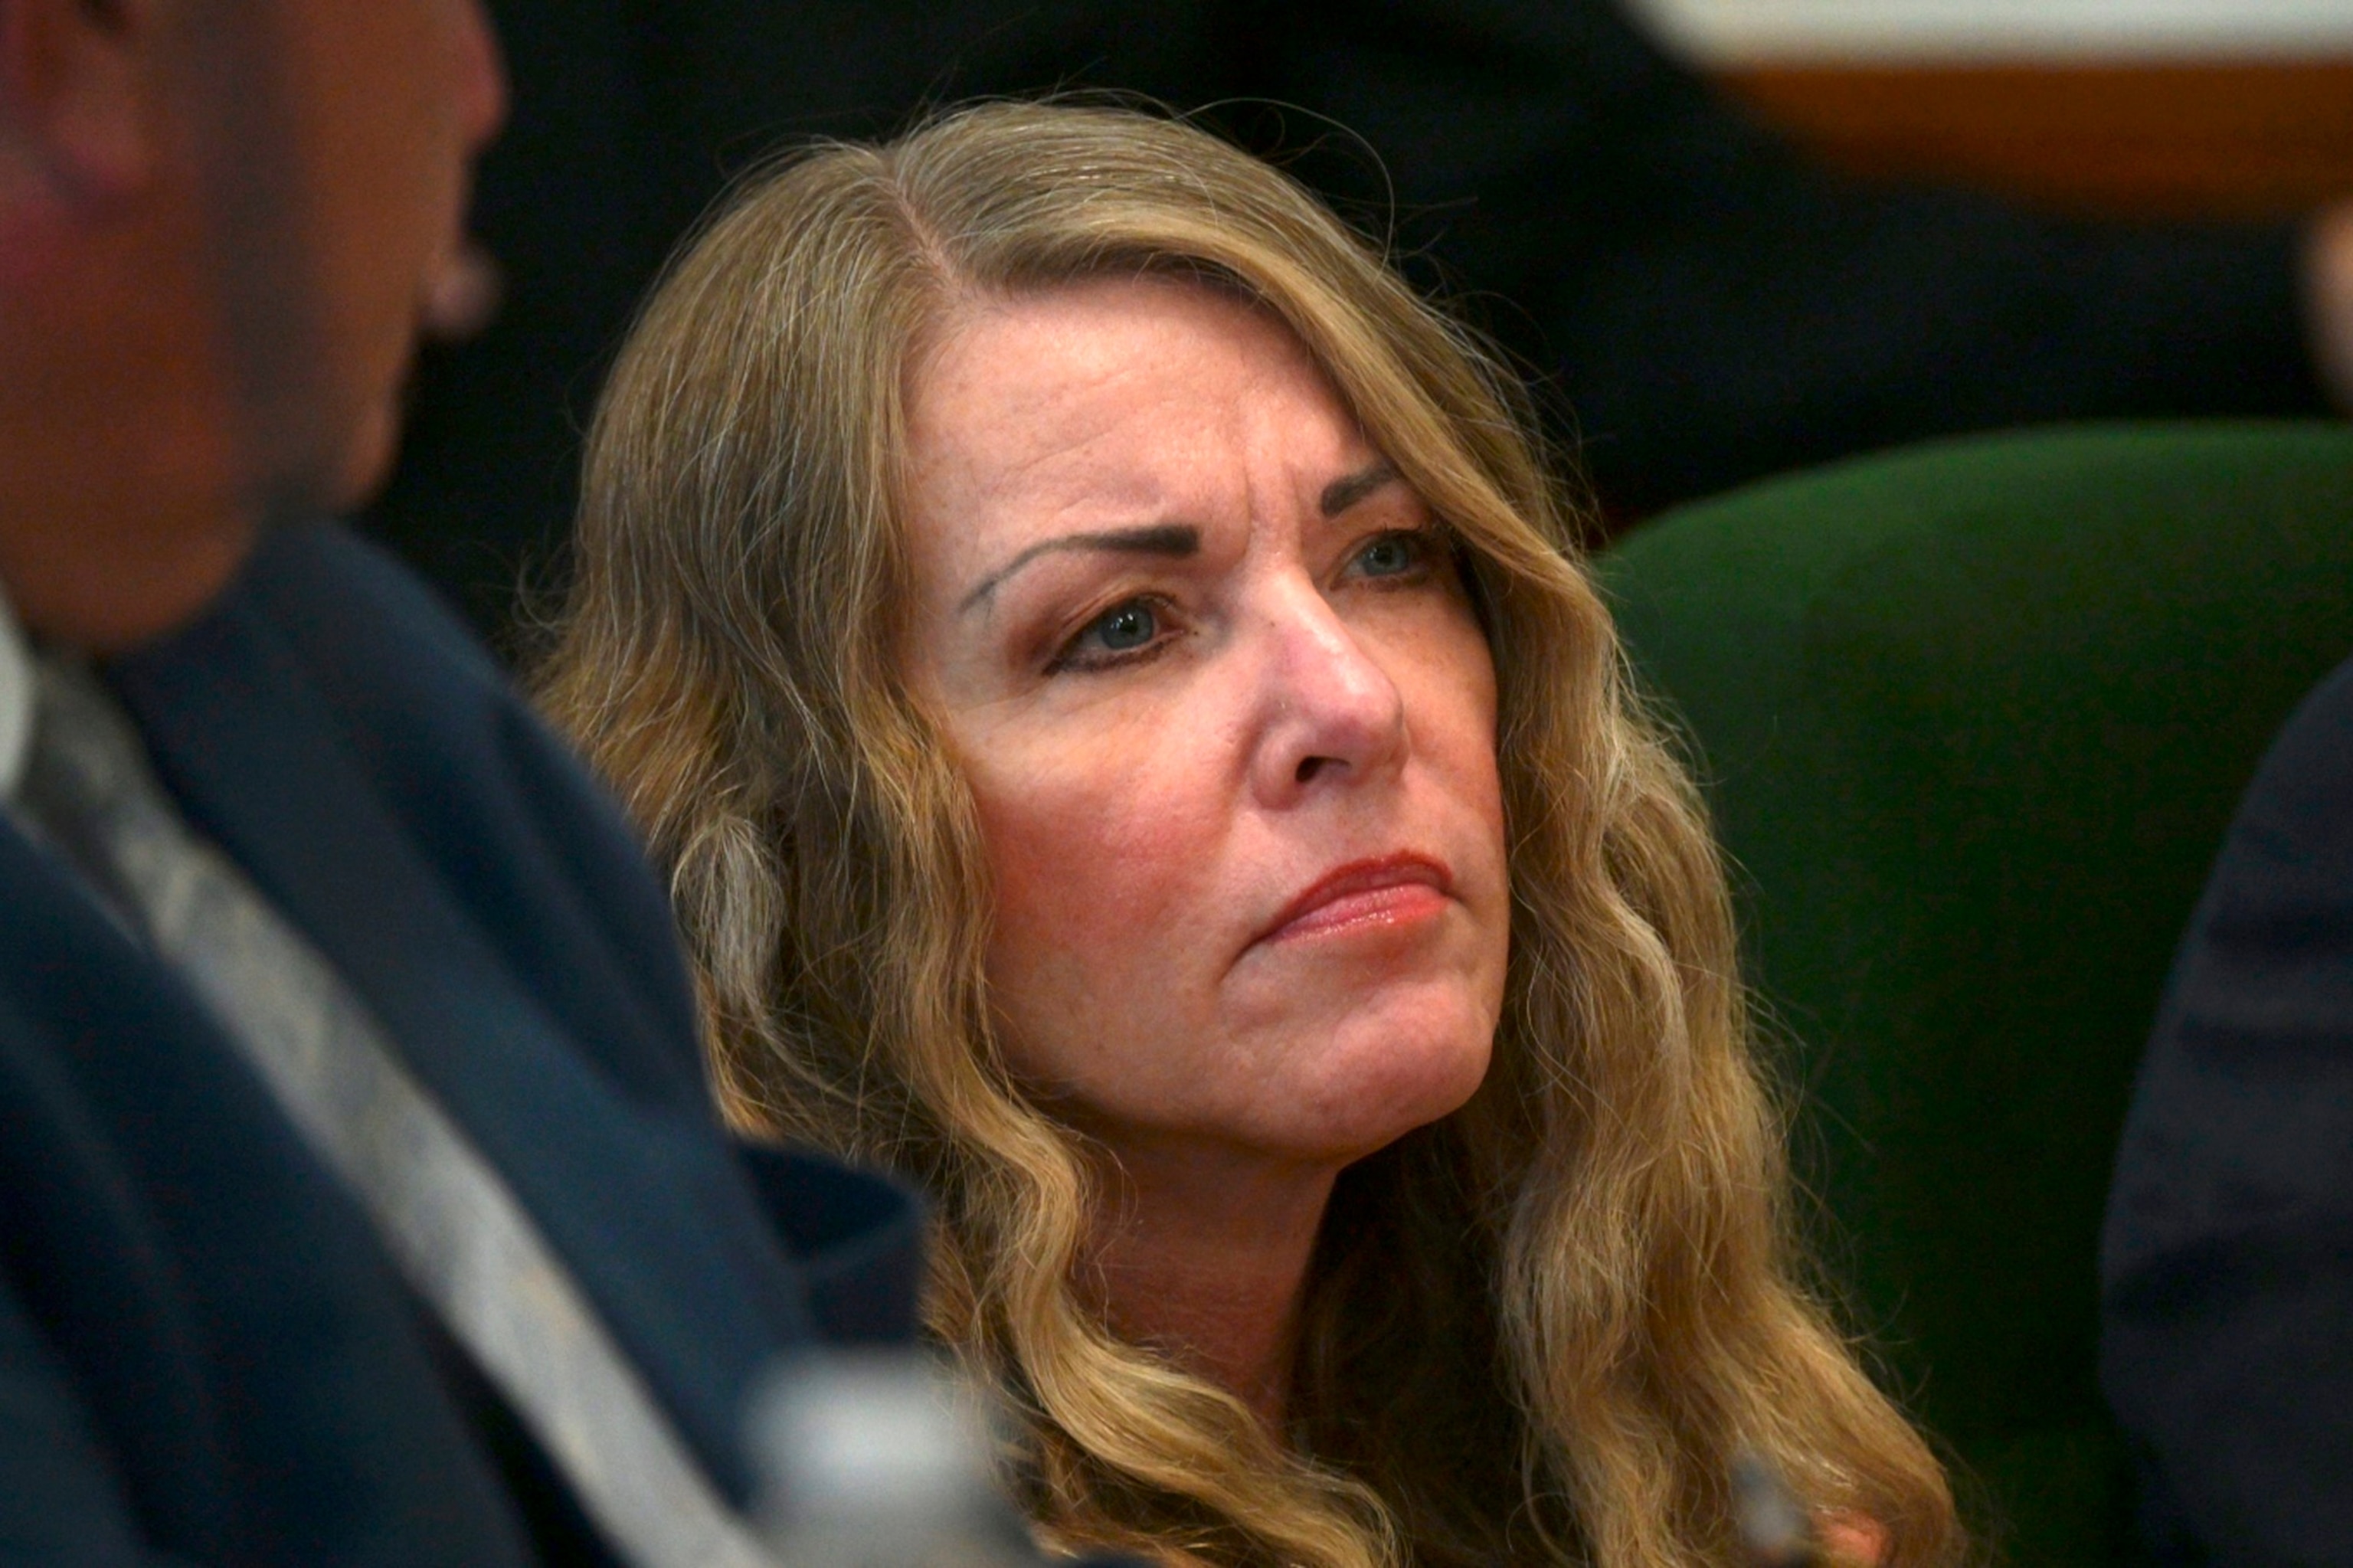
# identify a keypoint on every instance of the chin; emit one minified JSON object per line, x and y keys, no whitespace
{"x":1390,"y":1069}
{"x":323,"y":459}
{"x":365,"y":463}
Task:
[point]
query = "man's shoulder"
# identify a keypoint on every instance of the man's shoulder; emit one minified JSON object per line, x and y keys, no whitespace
{"x":360,"y":620}
{"x":2304,"y":788}
{"x":325,"y":632}
{"x":2239,"y":1116}
{"x":346,"y":741}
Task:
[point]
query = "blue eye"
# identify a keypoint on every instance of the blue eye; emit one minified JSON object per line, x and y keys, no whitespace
{"x":1129,"y":629}
{"x":1391,"y":556}
{"x":1123,"y":627}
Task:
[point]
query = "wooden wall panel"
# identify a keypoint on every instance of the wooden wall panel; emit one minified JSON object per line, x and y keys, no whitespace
{"x":2225,"y":139}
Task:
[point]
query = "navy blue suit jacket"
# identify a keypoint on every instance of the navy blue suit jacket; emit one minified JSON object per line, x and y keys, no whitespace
{"x":2227,"y":1345}
{"x":204,"y":1355}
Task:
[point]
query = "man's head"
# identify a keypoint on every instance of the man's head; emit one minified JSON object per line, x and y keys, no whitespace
{"x":223,"y":224}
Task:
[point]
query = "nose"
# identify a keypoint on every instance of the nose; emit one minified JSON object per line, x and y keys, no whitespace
{"x":482,"y":77}
{"x":1329,"y":713}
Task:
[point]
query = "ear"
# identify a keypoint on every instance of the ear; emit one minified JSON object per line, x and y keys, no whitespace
{"x":78,"y":92}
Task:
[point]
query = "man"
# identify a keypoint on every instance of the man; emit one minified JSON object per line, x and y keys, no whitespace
{"x":360,"y":1201}
{"x":2227,"y":1265}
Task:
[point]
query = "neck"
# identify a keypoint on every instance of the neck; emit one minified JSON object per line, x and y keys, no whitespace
{"x":1206,"y":1259}
{"x":108,"y":586}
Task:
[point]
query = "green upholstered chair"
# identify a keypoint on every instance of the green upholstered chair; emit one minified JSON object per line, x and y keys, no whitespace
{"x":1972,"y":718}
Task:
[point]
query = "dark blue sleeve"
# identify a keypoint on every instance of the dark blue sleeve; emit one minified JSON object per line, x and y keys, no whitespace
{"x":61,"y":1504}
{"x":2227,"y":1266}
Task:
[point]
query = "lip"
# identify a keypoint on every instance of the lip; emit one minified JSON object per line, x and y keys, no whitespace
{"x":1386,"y":890}
{"x":461,"y":292}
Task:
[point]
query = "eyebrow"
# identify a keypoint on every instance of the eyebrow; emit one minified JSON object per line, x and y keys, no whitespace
{"x":1345,"y":492}
{"x":1176,"y":540}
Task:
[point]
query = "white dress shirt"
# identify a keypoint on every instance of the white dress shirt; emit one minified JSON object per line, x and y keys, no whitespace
{"x":16,"y":700}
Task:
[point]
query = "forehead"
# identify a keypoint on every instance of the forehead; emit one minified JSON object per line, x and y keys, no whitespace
{"x":1121,"y":397}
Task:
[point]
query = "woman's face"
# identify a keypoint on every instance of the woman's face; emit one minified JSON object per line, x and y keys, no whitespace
{"x":1229,"y":720}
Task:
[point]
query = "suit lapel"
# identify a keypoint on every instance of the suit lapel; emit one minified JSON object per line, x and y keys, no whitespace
{"x":223,"y":1310}
{"x":263,"y":762}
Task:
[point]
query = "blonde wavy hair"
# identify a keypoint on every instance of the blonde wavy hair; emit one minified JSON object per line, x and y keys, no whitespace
{"x":1537,"y":1331}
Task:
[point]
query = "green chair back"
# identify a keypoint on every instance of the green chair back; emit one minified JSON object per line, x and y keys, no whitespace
{"x":1972,"y":718}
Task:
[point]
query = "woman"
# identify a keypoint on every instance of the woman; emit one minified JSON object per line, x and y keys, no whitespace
{"x":1105,"y":669}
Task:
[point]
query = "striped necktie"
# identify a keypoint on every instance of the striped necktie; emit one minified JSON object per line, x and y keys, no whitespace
{"x":457,"y":1232}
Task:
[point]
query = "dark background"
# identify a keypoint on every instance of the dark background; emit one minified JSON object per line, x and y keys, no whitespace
{"x":1699,"y":304}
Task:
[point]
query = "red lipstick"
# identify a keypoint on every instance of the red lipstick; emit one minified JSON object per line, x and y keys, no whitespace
{"x":1387,"y":891}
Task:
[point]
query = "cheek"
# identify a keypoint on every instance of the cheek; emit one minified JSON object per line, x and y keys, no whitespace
{"x":1448,"y":683}
{"x":1071,"y":860}
{"x":1099,"y":873}
{"x":1451,"y":700}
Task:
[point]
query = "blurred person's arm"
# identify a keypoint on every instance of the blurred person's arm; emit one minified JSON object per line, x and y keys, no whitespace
{"x":60,"y":1501}
{"x":2227,"y":1265}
